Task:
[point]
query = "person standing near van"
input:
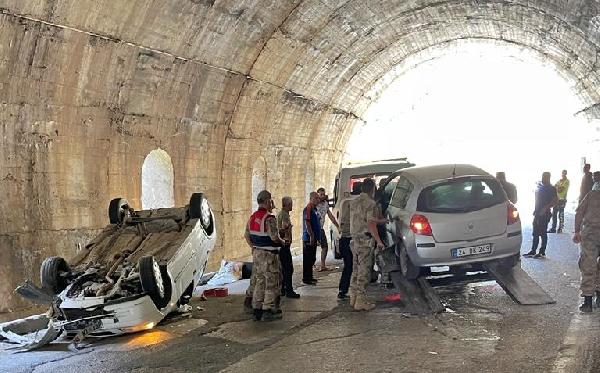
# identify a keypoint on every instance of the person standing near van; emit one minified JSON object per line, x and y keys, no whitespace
{"x":363,"y":228}
{"x":562,"y":187}
{"x":323,"y":211}
{"x":509,"y":188}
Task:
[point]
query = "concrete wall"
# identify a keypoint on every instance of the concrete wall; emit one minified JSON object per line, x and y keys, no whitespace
{"x":89,"y":87}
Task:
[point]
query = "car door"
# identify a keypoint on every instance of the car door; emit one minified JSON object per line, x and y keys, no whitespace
{"x":396,"y":212}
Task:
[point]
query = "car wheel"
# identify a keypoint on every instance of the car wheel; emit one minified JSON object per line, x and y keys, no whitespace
{"x":155,"y":281}
{"x":52,"y":274}
{"x":408,"y":269}
{"x":200,"y":209}
{"x":118,"y":209}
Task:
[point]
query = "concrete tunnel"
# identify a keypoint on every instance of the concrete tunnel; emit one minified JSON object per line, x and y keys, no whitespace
{"x":88,"y":89}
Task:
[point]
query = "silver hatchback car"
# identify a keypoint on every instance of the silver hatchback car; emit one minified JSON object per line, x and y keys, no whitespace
{"x":449,"y":215}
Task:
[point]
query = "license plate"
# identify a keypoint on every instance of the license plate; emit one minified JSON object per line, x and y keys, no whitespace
{"x":471,"y":250}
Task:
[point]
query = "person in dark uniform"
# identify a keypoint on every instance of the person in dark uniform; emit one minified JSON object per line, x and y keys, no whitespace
{"x":509,"y":188}
{"x":545,"y":199}
{"x":311,"y":236}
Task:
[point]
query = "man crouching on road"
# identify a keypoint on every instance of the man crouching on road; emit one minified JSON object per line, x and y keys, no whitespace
{"x":587,"y":232}
{"x":363,"y":228}
{"x":261,"y":233}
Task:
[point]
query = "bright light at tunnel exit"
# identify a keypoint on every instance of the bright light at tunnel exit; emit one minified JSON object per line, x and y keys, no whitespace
{"x":497,"y":106}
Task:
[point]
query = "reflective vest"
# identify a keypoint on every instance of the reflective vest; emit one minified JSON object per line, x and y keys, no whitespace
{"x":259,"y":236}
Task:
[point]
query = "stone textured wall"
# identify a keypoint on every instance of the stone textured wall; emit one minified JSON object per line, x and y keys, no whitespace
{"x":89,"y":87}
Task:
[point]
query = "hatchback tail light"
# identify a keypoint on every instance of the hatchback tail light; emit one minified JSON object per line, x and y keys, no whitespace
{"x":513,"y":214}
{"x":420,"y":225}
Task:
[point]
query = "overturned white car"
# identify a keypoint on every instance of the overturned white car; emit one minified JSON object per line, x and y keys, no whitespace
{"x":141,"y":267}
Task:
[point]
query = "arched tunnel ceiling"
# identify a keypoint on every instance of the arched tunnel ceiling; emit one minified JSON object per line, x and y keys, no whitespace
{"x":89,"y":87}
{"x":331,"y":52}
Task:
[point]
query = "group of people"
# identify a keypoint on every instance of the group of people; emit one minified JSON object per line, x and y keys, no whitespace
{"x":550,"y":202}
{"x":269,"y":237}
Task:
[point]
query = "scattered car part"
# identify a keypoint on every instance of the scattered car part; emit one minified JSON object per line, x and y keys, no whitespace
{"x":216,"y":292}
{"x":35,"y":294}
{"x":31,"y":332}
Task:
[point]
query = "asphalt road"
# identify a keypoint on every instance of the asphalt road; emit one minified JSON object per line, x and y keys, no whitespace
{"x":483,"y":330}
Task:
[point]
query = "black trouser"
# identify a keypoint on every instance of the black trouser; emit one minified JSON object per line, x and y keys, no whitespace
{"x":287,"y":269}
{"x":559,"y":210}
{"x":346,"y":253}
{"x":309,"y":257}
{"x":540,"y":229}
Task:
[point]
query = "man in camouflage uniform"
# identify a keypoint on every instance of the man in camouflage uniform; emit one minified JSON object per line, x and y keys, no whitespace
{"x":261,"y":233}
{"x":363,"y":228}
{"x":587,"y":232}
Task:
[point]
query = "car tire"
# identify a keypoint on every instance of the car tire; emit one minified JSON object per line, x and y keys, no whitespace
{"x":50,"y":274}
{"x":118,"y":209}
{"x":155,"y":281}
{"x":200,"y":209}
{"x":408,"y":269}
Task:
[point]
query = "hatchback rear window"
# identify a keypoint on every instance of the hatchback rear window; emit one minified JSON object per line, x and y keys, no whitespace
{"x":461,"y":195}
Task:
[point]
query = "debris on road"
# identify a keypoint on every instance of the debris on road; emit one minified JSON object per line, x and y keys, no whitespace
{"x":31,"y":332}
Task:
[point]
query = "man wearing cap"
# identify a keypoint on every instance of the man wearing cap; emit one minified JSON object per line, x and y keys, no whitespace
{"x":261,"y":233}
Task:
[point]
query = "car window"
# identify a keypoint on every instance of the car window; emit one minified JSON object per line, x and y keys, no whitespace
{"x":383,"y":196}
{"x":461,"y":195}
{"x":401,"y":193}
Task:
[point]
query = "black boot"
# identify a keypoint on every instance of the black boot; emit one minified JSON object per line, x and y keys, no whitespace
{"x":248,"y":305}
{"x":258,"y":314}
{"x":597,"y":299}
{"x":270,"y":315}
{"x":587,"y":304}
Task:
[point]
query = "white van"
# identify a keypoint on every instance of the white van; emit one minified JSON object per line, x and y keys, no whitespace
{"x":355,"y":172}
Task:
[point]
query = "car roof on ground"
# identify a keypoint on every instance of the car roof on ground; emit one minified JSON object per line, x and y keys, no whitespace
{"x":427,"y":174}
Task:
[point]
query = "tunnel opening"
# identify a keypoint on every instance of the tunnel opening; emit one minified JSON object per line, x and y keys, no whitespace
{"x":498,"y":106}
{"x":157,"y":180}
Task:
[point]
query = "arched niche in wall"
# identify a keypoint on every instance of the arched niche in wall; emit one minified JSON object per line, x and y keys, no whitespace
{"x":157,"y":180}
{"x":259,"y":180}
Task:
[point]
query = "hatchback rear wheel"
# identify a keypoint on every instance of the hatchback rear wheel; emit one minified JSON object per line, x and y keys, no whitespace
{"x":408,"y":269}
